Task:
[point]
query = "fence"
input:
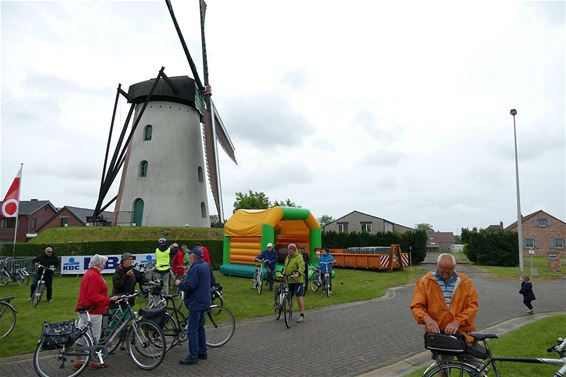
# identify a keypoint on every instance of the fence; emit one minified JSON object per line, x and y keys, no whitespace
{"x":13,"y":263}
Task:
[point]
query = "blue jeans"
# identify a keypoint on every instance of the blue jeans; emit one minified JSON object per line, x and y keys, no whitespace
{"x":196,"y":334}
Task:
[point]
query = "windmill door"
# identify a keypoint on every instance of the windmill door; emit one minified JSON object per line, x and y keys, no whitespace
{"x":138,"y":212}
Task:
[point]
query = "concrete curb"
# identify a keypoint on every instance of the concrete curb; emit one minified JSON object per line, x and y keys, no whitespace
{"x":414,"y":362}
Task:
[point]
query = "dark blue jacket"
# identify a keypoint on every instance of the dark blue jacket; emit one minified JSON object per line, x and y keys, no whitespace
{"x":270,"y":257}
{"x":527,"y":291}
{"x":196,"y":284}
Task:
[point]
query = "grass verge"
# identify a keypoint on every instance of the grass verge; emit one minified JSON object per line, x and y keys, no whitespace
{"x":530,"y":340}
{"x":539,"y":262}
{"x":348,"y":286}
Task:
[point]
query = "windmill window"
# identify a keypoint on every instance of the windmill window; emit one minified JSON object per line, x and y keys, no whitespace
{"x":200,"y":174}
{"x":147,"y":132}
{"x":143,"y":168}
{"x":203,"y":209}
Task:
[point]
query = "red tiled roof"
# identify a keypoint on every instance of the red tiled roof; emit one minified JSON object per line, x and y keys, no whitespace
{"x":439,"y":237}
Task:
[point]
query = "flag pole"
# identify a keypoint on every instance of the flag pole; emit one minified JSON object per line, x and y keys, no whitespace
{"x":17,"y":212}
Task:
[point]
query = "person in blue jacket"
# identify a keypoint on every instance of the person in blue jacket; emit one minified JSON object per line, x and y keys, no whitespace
{"x":527,"y":292}
{"x":327,"y":258}
{"x":196,"y":285}
{"x":269,"y":255}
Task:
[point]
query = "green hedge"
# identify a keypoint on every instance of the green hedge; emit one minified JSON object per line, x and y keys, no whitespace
{"x":416,"y":241}
{"x":109,"y":247}
{"x":491,"y":248}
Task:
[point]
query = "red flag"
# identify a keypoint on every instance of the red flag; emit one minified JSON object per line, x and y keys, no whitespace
{"x":12,"y":200}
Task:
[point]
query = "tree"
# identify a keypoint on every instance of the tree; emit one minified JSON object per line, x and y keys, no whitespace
{"x":325,"y":220}
{"x":251,"y":200}
{"x":286,"y":203}
{"x":424,"y":226}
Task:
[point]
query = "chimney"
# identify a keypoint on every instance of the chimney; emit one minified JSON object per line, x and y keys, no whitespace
{"x":33,"y":200}
{"x":501,"y":224}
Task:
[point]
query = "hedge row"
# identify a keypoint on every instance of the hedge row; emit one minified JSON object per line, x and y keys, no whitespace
{"x":491,"y":248}
{"x":108,"y":247}
{"x":413,"y":241}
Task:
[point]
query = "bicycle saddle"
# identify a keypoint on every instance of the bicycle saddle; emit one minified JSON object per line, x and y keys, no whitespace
{"x":480,"y":336}
{"x":84,"y":310}
{"x":169,"y":297}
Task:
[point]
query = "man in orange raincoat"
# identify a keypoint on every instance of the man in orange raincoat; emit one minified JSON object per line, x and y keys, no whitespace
{"x":445,"y":301}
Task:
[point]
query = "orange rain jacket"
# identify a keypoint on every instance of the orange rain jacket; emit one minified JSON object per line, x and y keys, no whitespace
{"x":428,"y":300}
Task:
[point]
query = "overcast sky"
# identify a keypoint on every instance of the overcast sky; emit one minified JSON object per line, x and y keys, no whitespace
{"x":398,"y":109}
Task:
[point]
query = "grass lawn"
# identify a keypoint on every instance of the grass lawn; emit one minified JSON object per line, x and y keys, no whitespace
{"x":513,"y":272}
{"x":530,"y":340}
{"x":348,"y":286}
{"x":125,"y":233}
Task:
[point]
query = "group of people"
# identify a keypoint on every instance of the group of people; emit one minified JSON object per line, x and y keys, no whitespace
{"x":296,"y":269}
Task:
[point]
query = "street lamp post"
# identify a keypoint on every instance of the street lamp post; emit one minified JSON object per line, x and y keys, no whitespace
{"x":519,"y":217}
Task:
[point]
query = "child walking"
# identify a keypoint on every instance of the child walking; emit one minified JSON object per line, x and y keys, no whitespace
{"x":527,"y":292}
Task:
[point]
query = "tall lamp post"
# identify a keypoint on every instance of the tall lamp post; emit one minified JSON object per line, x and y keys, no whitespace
{"x":519,"y":217}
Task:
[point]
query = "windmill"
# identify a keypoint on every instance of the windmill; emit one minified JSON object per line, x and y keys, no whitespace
{"x":162,"y":181}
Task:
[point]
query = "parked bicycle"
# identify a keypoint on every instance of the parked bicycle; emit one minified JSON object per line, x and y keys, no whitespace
{"x":258,"y":277}
{"x":10,"y":274}
{"x":7,"y":316}
{"x":40,"y":287}
{"x":451,"y":345}
{"x":65,"y":350}
{"x":283,"y":301}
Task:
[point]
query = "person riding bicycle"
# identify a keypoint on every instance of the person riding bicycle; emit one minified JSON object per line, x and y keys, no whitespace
{"x":326,"y":257}
{"x":295,"y":267}
{"x":162,"y":256}
{"x":269,"y":255}
{"x":93,"y":292}
{"x":49,"y":260}
{"x":196,"y":285}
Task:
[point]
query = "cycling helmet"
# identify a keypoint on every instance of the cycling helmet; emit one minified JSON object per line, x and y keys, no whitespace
{"x":162,"y":241}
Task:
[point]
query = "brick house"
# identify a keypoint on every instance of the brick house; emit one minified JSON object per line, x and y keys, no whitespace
{"x":542,"y":233}
{"x":440,"y":241}
{"x":32,"y":216}
{"x":356,"y":221}
{"x":71,"y":216}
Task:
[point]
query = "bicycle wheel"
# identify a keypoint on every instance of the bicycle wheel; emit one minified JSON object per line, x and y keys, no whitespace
{"x":219,"y":326}
{"x":450,"y":369}
{"x":217,"y":301}
{"x":259,"y":285}
{"x":7,"y":319}
{"x":146,"y":344}
{"x":286,"y":312}
{"x":23,"y":280}
{"x":277,"y":303}
{"x":327,"y":285}
{"x":63,"y":361}
{"x":37,"y":294}
{"x":315,"y":284}
{"x":4,"y":277}
{"x":171,"y":331}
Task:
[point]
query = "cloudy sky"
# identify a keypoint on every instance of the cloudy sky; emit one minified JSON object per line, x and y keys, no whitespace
{"x":399,"y":109}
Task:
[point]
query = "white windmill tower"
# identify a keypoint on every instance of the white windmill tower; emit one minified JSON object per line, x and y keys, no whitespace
{"x":163,"y":180}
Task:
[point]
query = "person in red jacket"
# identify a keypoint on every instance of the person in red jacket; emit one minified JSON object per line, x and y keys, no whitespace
{"x":178,"y":261}
{"x":94,"y":293}
{"x":205,"y":253}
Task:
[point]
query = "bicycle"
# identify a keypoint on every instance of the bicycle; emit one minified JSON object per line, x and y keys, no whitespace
{"x":7,"y":316}
{"x":11,"y":274}
{"x":258,"y":277}
{"x":216,"y":297}
{"x":40,"y":287}
{"x":65,"y":350}
{"x":465,"y":368}
{"x":324,"y":280}
{"x":283,"y":301}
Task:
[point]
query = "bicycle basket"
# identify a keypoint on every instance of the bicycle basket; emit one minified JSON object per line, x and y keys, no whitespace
{"x":156,"y":316}
{"x":58,"y":334}
{"x":444,"y":343}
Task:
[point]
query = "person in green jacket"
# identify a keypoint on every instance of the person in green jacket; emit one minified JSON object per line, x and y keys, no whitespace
{"x":295,"y":267}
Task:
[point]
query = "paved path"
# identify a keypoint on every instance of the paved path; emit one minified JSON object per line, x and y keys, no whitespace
{"x":342,"y":340}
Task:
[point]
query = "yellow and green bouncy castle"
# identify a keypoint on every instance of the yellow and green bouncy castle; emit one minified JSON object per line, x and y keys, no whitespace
{"x":247,"y":233}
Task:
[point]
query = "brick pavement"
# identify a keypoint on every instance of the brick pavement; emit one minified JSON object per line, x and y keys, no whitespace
{"x":342,"y":340}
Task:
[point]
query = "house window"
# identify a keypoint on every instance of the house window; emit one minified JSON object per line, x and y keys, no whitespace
{"x":542,"y":223}
{"x":558,"y":243}
{"x":366,"y":227}
{"x":529,"y":243}
{"x":342,"y":227}
{"x":143,"y":168}
{"x":64,"y":221}
{"x":147,"y":132}
{"x":33,"y":225}
{"x":7,"y":223}
{"x":200,"y":174}
{"x":203,"y":210}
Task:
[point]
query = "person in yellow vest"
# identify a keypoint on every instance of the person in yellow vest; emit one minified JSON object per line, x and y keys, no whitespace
{"x":162,"y":265}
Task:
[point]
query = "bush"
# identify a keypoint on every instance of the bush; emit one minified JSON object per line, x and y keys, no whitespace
{"x":109,"y":247}
{"x":491,"y":248}
{"x":413,"y":241}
